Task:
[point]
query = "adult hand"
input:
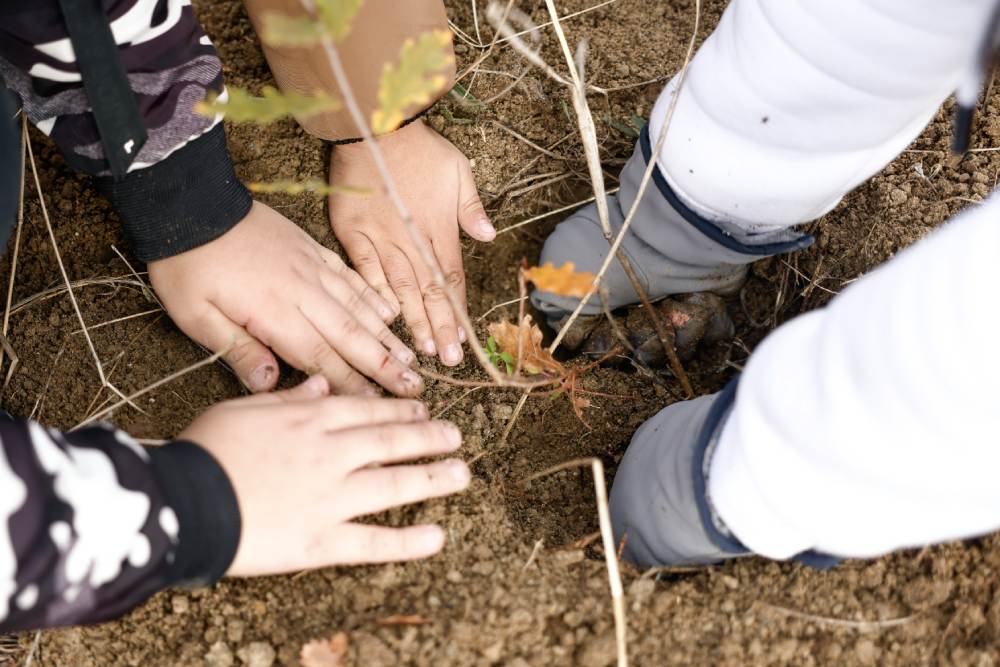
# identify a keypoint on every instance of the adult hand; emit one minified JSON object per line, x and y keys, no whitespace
{"x":435,"y":182}
{"x":267,"y":284}
{"x":303,"y":465}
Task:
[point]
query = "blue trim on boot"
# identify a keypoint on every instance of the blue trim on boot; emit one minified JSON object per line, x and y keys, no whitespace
{"x":710,"y":432}
{"x":713,"y":230}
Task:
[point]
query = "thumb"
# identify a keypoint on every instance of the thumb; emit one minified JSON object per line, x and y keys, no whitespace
{"x":315,"y":387}
{"x":252,"y":362}
{"x":471,"y":214}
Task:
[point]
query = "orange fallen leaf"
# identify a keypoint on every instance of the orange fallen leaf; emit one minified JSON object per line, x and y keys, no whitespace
{"x":325,"y":652}
{"x":535,"y":359}
{"x":564,"y":281}
{"x":402,"y":619}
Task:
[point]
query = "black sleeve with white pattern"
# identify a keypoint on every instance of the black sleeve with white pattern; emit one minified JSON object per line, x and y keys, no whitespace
{"x":92,"y":523}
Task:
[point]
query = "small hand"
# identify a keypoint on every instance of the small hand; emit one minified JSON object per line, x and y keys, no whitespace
{"x":267,"y":284}
{"x":435,"y":182}
{"x":304,"y":465}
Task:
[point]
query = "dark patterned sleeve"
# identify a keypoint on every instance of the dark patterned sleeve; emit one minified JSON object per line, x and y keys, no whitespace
{"x":181,"y":190}
{"x":91,"y":523}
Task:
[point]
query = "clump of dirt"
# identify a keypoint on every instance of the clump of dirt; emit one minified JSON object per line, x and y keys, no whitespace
{"x":485,"y":599}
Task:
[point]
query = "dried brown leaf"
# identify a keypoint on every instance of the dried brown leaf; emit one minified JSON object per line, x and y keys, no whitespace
{"x":325,"y":652}
{"x":535,"y":359}
{"x":564,"y":281}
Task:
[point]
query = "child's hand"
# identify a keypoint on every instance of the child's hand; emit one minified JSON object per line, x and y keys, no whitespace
{"x":304,"y":465}
{"x":266,"y":284}
{"x":436,"y":184}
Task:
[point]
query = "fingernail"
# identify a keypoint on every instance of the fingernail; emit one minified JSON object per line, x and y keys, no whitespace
{"x":459,"y":471}
{"x":260,"y":378}
{"x":451,"y":434}
{"x":486,"y":229}
{"x":385,"y":312}
{"x":428,"y":347}
{"x":404,"y":356}
{"x":372,"y":391}
{"x":461,"y":334}
{"x":411,"y":379}
{"x":316,"y":386}
{"x":451,"y":354}
{"x":433,"y":538}
{"x":419,"y":410}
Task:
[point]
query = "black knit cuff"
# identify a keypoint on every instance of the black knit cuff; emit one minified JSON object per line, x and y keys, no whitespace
{"x":200,"y":493}
{"x":182,"y":202}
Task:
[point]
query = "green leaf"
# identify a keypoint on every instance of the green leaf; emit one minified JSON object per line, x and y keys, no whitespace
{"x":419,"y":74}
{"x":334,"y":19}
{"x":315,"y":186}
{"x":621,"y":126}
{"x":491,"y":344}
{"x":242,"y":107}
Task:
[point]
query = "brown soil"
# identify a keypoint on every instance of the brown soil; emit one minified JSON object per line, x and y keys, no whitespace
{"x":484,"y":604}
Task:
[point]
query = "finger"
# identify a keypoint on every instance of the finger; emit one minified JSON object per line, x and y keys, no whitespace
{"x":471,"y":214}
{"x":439,"y":312}
{"x":354,"y":544}
{"x":366,"y":261}
{"x":301,"y":345}
{"x":345,"y":333}
{"x":449,"y":254}
{"x":404,"y":283}
{"x":310,"y":390}
{"x":353,"y":302}
{"x":252,"y":362}
{"x":341,"y":413}
{"x":397,"y":442}
{"x":378,"y":489}
{"x":371,"y":297}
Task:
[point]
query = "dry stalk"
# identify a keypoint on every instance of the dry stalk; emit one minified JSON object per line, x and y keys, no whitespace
{"x":159,"y":383}
{"x":549,"y":214}
{"x":608,"y":541}
{"x":588,"y":132}
{"x":389,"y":187}
{"x":62,"y":269}
{"x":17,"y":248}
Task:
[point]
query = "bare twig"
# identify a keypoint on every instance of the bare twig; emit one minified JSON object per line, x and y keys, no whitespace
{"x":34,"y":649}
{"x":500,"y":305}
{"x":534,"y":554}
{"x":17,"y":245}
{"x":864,"y":626}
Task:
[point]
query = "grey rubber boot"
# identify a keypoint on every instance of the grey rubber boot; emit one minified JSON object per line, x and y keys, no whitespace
{"x":672,"y":249}
{"x":659,"y":502}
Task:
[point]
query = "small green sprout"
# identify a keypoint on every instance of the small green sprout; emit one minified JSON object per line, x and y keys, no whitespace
{"x":501,"y":360}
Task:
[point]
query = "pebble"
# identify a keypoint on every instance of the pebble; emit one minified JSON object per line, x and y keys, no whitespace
{"x":219,"y":655}
{"x":257,"y":654}
{"x":179,"y":604}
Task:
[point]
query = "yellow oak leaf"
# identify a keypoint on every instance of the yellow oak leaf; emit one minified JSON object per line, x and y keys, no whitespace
{"x":564,"y":281}
{"x":240,"y":106}
{"x":419,"y":74}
